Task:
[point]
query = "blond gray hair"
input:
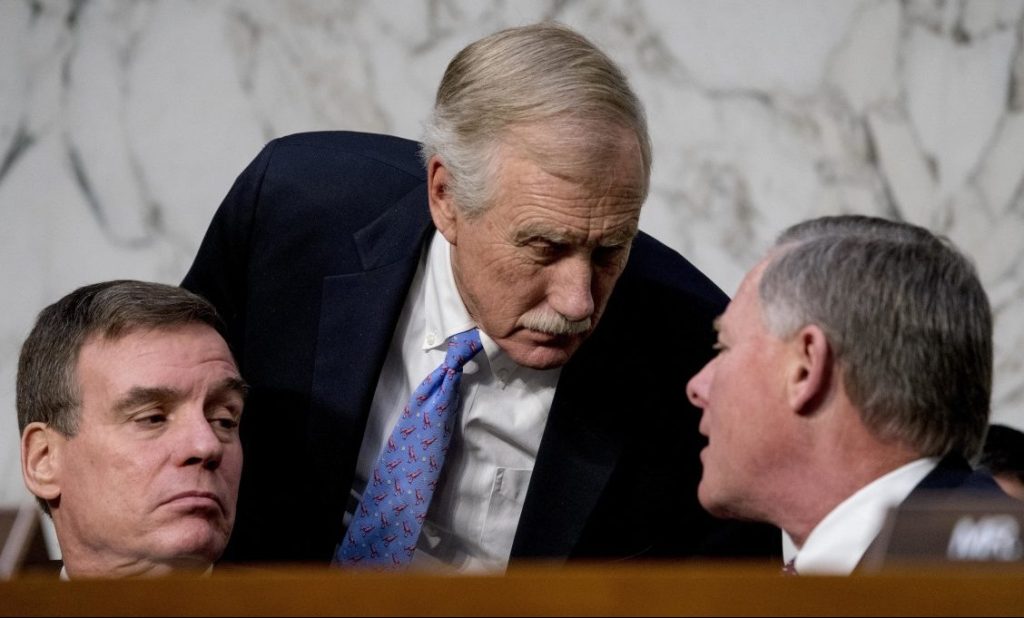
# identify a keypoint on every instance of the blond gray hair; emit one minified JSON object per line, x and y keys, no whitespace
{"x":542,"y":75}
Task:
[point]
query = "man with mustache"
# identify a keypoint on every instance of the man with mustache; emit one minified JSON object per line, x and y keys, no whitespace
{"x":129,"y":402}
{"x":349,"y":266}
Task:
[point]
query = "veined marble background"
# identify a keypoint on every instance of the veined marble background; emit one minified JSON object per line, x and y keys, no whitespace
{"x":123,"y":124}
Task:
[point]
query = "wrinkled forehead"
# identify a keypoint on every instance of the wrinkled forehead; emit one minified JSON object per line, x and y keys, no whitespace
{"x":149,"y":335}
{"x":584,"y":151}
{"x":135,"y":350}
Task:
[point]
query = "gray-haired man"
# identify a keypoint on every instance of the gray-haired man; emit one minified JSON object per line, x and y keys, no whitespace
{"x":345,"y":264}
{"x":854,"y":369}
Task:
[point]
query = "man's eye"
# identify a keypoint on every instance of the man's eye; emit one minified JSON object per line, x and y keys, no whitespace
{"x":152,"y":419}
{"x":545,"y":249}
{"x":718,"y":347}
{"x":224,"y":420}
{"x":608,"y":255}
{"x":225,"y":423}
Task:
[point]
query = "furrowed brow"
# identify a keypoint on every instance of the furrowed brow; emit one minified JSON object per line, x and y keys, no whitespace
{"x":542,"y":233}
{"x":619,"y":237}
{"x":614,"y":238}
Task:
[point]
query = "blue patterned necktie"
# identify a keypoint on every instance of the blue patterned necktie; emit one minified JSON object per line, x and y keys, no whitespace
{"x":384,"y":530}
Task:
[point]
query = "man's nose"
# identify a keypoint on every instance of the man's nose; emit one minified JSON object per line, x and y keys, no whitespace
{"x":573,"y":295}
{"x":200,"y":443}
{"x":697,"y":387}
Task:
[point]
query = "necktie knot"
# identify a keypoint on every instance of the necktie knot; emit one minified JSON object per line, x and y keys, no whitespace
{"x":461,"y":348}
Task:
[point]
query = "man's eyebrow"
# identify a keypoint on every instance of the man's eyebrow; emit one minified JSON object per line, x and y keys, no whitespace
{"x":539,"y":232}
{"x":620,"y":236}
{"x":232,"y":385}
{"x":139,"y":396}
{"x":717,"y":324}
{"x":227,"y":387}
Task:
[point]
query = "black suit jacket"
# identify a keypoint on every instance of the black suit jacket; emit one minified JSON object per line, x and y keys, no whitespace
{"x":957,"y":479}
{"x":952,"y":482}
{"x":309,"y":260}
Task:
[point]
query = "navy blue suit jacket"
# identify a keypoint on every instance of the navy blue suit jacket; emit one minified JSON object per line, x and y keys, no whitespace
{"x":956,"y":479}
{"x":952,"y":482}
{"x":309,"y":260}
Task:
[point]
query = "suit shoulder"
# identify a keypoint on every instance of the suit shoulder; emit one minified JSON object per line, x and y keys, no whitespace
{"x":397,"y":152}
{"x":656,"y":269}
{"x":954,"y":475}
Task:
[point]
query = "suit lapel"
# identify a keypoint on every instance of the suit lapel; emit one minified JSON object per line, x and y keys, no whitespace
{"x":577,"y":455}
{"x":358,"y":315}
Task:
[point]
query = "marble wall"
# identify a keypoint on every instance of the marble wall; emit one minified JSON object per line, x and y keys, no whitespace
{"x":122,"y":125}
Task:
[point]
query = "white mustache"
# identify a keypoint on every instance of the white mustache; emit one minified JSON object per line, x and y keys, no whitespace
{"x":553,"y":323}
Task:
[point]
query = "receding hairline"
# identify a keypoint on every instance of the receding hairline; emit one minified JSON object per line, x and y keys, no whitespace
{"x":612,"y":165}
{"x":542,"y":72}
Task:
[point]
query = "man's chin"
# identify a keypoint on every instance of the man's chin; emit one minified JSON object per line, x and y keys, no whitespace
{"x":543,"y":351}
{"x":722,"y":506}
{"x":195,"y":545}
{"x":710,"y":501}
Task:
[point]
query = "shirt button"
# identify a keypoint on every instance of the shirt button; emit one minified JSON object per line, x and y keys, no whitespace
{"x":503,"y":374}
{"x":431,"y":339}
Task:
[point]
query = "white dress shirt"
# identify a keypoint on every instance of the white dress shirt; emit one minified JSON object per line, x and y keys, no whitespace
{"x":836,"y":545}
{"x":504,"y":408}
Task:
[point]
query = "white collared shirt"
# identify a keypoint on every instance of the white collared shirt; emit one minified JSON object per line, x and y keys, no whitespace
{"x":836,"y":545}
{"x":504,"y":408}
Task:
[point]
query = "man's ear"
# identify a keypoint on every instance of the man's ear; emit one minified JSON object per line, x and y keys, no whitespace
{"x":40,"y":460}
{"x":442,"y":207}
{"x":811,"y":370}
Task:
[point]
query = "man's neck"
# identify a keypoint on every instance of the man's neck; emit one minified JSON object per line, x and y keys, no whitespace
{"x":838,"y":542}
{"x":841,"y":460}
{"x":82,"y":565}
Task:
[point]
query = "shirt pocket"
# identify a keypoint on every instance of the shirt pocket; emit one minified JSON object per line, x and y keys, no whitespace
{"x":508,"y":494}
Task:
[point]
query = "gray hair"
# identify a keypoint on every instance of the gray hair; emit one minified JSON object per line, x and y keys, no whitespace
{"x":544,"y":74}
{"x":907,"y":318}
{"x":47,"y":385}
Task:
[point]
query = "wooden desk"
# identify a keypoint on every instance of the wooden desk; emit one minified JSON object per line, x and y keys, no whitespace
{"x":679,"y":589}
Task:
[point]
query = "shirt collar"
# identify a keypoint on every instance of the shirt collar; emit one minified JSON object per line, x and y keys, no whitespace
{"x":446,"y":314}
{"x":837,"y":544}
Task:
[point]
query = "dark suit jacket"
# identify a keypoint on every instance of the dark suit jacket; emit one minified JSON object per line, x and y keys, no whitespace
{"x":955,"y":476}
{"x":309,"y":260}
{"x":952,"y":482}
